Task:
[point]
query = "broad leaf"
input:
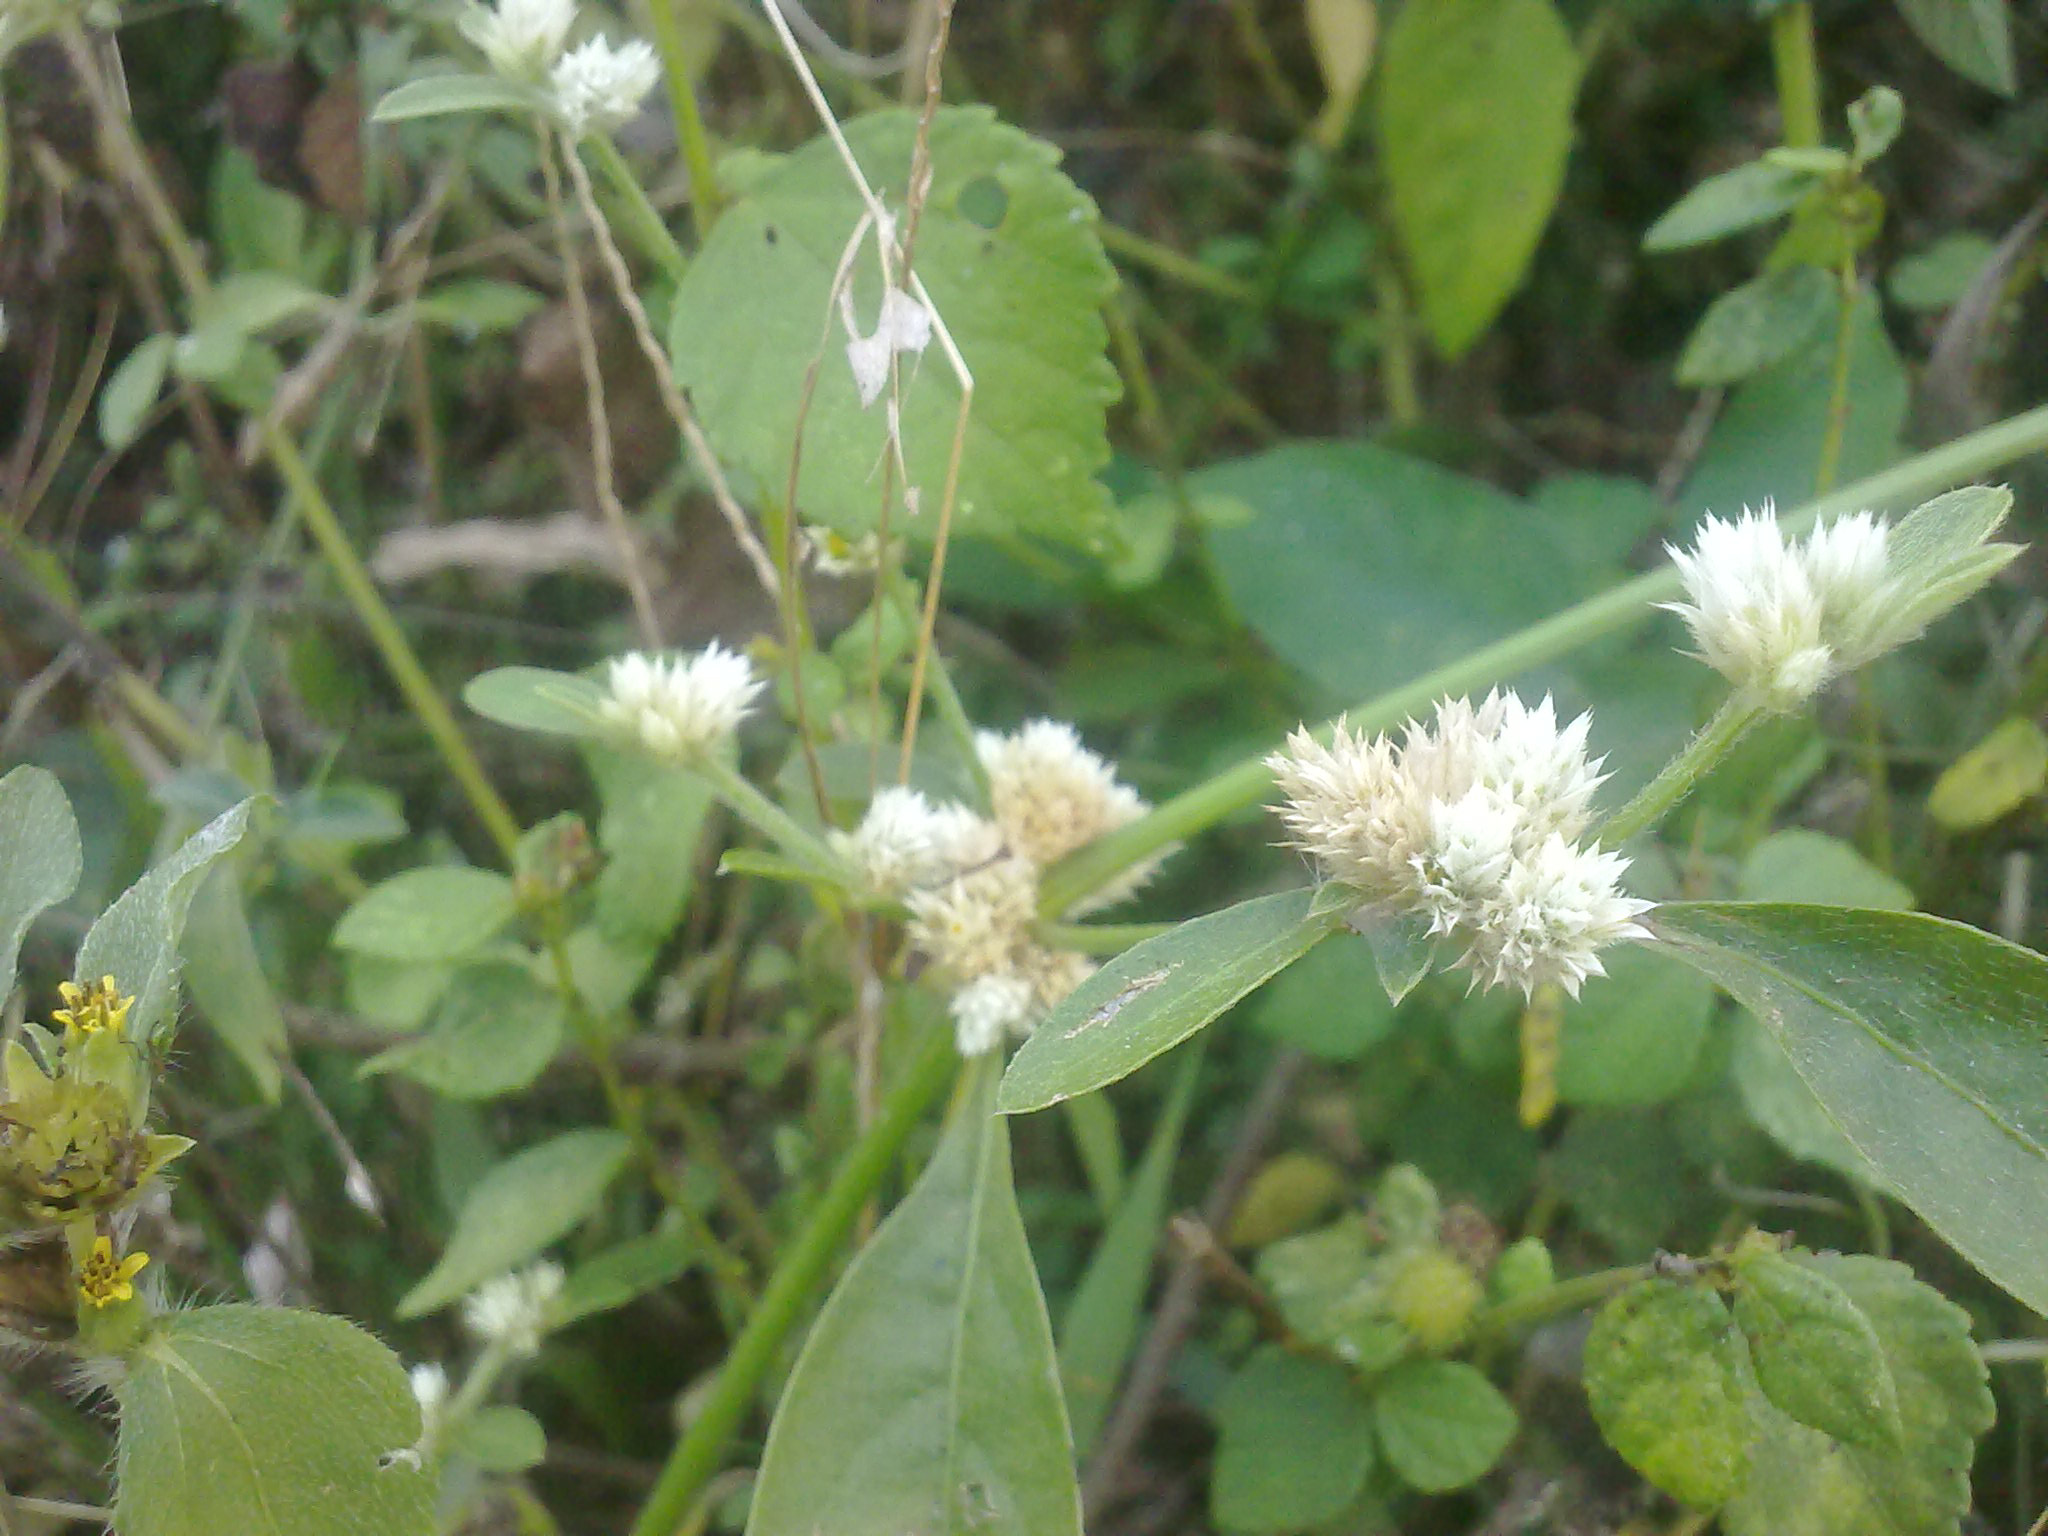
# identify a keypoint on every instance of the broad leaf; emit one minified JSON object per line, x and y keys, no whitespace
{"x":1475,"y":124}
{"x":1294,"y":1444}
{"x":517,"y":1209}
{"x":1799,"y":864}
{"x":1664,"y":1374}
{"x":1752,"y":326}
{"x":1441,"y":1422}
{"x":926,"y":1398}
{"x":1007,"y":248}
{"x":1156,"y":994}
{"x":267,"y":1422}
{"x":494,"y":1033}
{"x":1972,"y":37}
{"x":40,"y":857}
{"x":1802,"y":1483}
{"x":227,"y":981}
{"x":1816,"y":1356}
{"x":1726,"y":204}
{"x":439,"y":95}
{"x":440,"y":912}
{"x":1923,"y":1040}
{"x":135,"y":940}
{"x":535,"y":699}
{"x":1634,"y":1035}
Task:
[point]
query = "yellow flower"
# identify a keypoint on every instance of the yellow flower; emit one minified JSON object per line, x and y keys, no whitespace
{"x":104,"y":1279}
{"x":93,"y":1008}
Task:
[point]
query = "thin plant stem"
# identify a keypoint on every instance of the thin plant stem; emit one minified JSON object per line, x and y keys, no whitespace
{"x":1838,"y":385}
{"x":1611,"y":612}
{"x":1712,"y":742}
{"x":1798,"y":75}
{"x":1156,"y":256}
{"x":1504,"y":1319}
{"x":705,"y":199}
{"x":593,"y":391}
{"x":697,"y":1454}
{"x":1396,"y":346}
{"x":761,"y":813}
{"x":642,"y":221}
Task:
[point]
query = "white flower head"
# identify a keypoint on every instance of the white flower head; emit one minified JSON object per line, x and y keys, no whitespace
{"x":514,"y":1310}
{"x":904,"y":842}
{"x":520,"y":38}
{"x":905,"y":325}
{"x":1551,"y":915}
{"x":678,"y":708}
{"x":429,"y":1389}
{"x":834,"y":554}
{"x":988,"y":1008}
{"x":1051,"y":795}
{"x":598,"y":88}
{"x":978,"y":922}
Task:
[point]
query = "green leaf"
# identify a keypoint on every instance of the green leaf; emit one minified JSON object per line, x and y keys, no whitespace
{"x":494,"y":1033}
{"x":1940,"y":273}
{"x":1994,"y":778}
{"x":228,"y":984}
{"x":1441,"y":1423}
{"x":517,"y":1209}
{"x":1327,"y":1287}
{"x":1875,"y":119}
{"x":1781,"y":1104}
{"x":1801,"y":865}
{"x":926,"y":1398}
{"x":245,"y":303}
{"x":1922,"y":1040}
{"x":1634,"y":1035}
{"x":441,"y":912}
{"x":1972,"y":37}
{"x":1008,"y":250}
{"x":501,"y":1438}
{"x":1158,"y":993}
{"x":1294,"y":1444}
{"x":622,"y":1275}
{"x":1403,"y":949}
{"x":1816,"y":1356}
{"x":136,"y":939}
{"x":1101,"y":1321}
{"x":535,"y":699}
{"x":1329,"y":1003}
{"x":1664,"y":1375}
{"x":652,"y":824}
{"x":40,"y":857}
{"x":1802,"y":1483}
{"x":267,"y":1422}
{"x":1751,"y":327}
{"x":1729,"y":203}
{"x":1938,"y":554}
{"x":477,"y":306}
{"x":439,"y":95}
{"x":1475,"y":123}
{"x":132,"y":390}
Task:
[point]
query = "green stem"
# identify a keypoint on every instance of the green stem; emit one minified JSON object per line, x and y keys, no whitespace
{"x":1396,"y":346}
{"x":763,"y":814}
{"x":637,"y":217}
{"x":697,"y":1454}
{"x":1798,"y":73}
{"x":1838,"y":386}
{"x":1506,"y":1318}
{"x":682,"y":100}
{"x":399,"y":659}
{"x":1611,"y":612}
{"x":1674,"y":782}
{"x":1169,"y":263}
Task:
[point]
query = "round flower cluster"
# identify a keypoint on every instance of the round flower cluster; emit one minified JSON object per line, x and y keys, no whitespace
{"x":1472,"y":824}
{"x":971,"y":882}
{"x":679,"y":708}
{"x":515,"y":1310}
{"x":594,"y":87}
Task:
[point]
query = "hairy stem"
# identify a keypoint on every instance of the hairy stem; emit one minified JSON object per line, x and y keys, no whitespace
{"x":1713,"y":741}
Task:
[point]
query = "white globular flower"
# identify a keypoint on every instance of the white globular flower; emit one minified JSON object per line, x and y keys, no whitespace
{"x":988,"y":1008}
{"x":521,"y":39}
{"x":678,"y":708}
{"x":976,"y":923}
{"x":1471,"y":827}
{"x":598,"y":88}
{"x":904,"y":842}
{"x":1051,"y":795}
{"x":514,"y":1310}
{"x":1780,"y":619}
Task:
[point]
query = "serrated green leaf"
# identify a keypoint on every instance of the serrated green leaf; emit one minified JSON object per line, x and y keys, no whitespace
{"x":1994,"y":778}
{"x":1664,"y":1374}
{"x":1972,"y":37}
{"x":267,"y":1422}
{"x":1802,"y":1483}
{"x":1008,"y":251}
{"x":227,"y":981}
{"x":136,"y":939}
{"x":1294,"y":1444}
{"x":494,"y":1033}
{"x":440,"y":912}
{"x":536,"y":699}
{"x":439,"y":95}
{"x":1815,"y":1354}
{"x":132,"y":389}
{"x":1751,"y":327}
{"x":40,"y":857}
{"x":927,"y":1397}
{"x":1156,"y":994}
{"x":1922,"y":1040}
{"x":517,"y":1209}
{"x":1442,"y":1424}
{"x":1475,"y":125}
{"x":1729,"y":203}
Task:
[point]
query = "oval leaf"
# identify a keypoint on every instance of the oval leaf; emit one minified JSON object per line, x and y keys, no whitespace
{"x":1752,"y":326}
{"x":536,"y":699}
{"x":40,"y":857}
{"x":267,"y":1422}
{"x":1816,"y":1355}
{"x":1972,"y":37}
{"x":927,"y":1396}
{"x":517,"y":1209}
{"x":1441,"y":1423}
{"x":1726,"y":204}
{"x":439,"y":95}
{"x":494,"y":1033}
{"x":227,"y":981}
{"x":133,"y":389}
{"x":1922,"y":1039}
{"x":1294,"y":1444}
{"x":1156,"y":994}
{"x":442,"y":912}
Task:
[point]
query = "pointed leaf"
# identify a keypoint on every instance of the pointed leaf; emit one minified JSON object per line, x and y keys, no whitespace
{"x":1664,"y":1375}
{"x":536,"y":699}
{"x":438,"y":95}
{"x":1403,"y":949}
{"x":1972,"y":37}
{"x":495,"y":1032}
{"x":228,"y":984}
{"x":927,"y":1398}
{"x":1156,"y":994}
{"x":39,"y":857}
{"x":1752,"y":326}
{"x":1816,"y":1356}
{"x":1922,"y":1039}
{"x":1726,"y":204}
{"x":441,"y":912}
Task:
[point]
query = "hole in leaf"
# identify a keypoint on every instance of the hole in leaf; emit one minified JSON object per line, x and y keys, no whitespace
{"x":768,"y":231}
{"x":984,"y":202}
